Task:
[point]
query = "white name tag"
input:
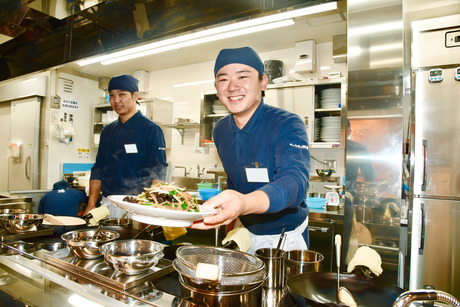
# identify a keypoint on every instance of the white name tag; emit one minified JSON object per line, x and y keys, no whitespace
{"x":255,"y":174}
{"x":131,"y":148}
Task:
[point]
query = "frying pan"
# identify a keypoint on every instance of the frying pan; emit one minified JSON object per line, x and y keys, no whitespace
{"x":320,"y":289}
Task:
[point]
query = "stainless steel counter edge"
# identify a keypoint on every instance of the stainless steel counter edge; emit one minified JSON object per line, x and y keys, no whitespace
{"x":20,"y":264}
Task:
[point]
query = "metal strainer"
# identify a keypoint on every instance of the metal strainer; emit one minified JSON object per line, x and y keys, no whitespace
{"x":237,"y":268}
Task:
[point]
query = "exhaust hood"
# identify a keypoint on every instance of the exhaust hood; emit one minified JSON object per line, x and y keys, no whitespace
{"x":339,"y":48}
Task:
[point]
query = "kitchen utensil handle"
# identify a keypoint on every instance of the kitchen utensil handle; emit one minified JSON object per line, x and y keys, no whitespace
{"x":425,"y":163}
{"x":338,"y":244}
{"x":318,"y":229}
{"x":26,"y":167}
{"x":422,"y":230}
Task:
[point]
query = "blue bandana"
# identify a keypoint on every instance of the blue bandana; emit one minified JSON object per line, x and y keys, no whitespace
{"x":61,"y":185}
{"x":124,"y":83}
{"x":243,"y":55}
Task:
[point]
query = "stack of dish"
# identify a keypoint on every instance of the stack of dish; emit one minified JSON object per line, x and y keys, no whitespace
{"x":218,"y":107}
{"x":317,"y":102}
{"x":330,"y":129}
{"x":317,"y":129}
{"x":330,"y":98}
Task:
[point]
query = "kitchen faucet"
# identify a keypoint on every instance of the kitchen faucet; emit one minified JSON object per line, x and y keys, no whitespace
{"x":200,"y":172}
{"x":185,"y":170}
{"x":425,"y":295}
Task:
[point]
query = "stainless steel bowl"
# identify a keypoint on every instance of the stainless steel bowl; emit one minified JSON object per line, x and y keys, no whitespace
{"x":83,"y":244}
{"x":324,"y":172}
{"x":22,"y":222}
{"x":13,"y":211}
{"x":132,"y":257}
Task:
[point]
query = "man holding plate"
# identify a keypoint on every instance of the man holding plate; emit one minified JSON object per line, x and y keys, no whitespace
{"x":265,"y":153}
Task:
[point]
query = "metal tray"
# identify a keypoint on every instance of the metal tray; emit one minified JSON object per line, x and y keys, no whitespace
{"x":41,"y":231}
{"x":98,"y":271}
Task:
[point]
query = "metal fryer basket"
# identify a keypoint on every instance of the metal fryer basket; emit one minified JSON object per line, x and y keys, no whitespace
{"x":237,"y":268}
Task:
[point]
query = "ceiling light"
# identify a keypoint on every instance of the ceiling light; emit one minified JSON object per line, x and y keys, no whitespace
{"x":193,"y":83}
{"x":201,"y":40}
{"x":194,"y":38}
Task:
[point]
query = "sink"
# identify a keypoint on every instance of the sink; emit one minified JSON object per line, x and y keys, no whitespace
{"x":188,"y":182}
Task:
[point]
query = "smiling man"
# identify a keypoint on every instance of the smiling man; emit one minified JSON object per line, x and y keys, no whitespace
{"x":264,"y":151}
{"x":131,"y":152}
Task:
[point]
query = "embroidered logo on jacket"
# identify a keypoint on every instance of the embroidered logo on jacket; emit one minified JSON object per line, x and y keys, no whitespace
{"x":299,"y":146}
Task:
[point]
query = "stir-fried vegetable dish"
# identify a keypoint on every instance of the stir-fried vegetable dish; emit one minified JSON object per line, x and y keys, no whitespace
{"x":162,"y":195}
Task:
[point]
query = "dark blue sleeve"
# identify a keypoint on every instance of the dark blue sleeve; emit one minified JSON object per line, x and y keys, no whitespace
{"x":157,"y":166}
{"x":98,"y":167}
{"x":292,"y":166}
{"x":41,"y":206}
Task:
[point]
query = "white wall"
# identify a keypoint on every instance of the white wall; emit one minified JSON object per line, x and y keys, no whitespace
{"x":86,"y":93}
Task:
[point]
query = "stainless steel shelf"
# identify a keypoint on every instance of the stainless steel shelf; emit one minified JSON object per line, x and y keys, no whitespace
{"x":181,"y":127}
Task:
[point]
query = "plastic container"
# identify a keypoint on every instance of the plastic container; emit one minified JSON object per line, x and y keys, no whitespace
{"x":204,"y":185}
{"x":315,"y":202}
{"x":206,"y":194}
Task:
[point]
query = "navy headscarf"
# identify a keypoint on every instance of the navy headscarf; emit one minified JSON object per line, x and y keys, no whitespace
{"x":124,"y":83}
{"x":243,"y":55}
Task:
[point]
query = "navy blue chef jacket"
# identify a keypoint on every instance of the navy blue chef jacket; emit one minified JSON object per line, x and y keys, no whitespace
{"x":61,"y":200}
{"x":277,"y":140}
{"x":122,"y":170}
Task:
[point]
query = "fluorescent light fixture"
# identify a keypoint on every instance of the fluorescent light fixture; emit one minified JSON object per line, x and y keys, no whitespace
{"x":194,"y":38}
{"x":324,"y":67}
{"x":201,"y":40}
{"x":193,"y":83}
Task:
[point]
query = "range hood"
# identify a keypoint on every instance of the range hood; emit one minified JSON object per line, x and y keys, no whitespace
{"x":339,"y":48}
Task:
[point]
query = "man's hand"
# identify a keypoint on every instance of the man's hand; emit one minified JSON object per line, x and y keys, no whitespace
{"x":230,"y":205}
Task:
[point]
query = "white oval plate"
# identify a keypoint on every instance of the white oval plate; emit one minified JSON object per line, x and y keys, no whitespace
{"x":66,"y":221}
{"x":159,"y":216}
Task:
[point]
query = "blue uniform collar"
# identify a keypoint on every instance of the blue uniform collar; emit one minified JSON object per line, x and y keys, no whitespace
{"x":130,"y":121}
{"x":252,"y":123}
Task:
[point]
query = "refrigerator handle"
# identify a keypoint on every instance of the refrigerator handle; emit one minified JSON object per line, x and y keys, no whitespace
{"x":425,"y":163}
{"x":27,"y":166}
{"x":422,"y":230}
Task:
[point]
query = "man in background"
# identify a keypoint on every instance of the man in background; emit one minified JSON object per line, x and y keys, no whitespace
{"x":62,"y":200}
{"x":131,"y":153}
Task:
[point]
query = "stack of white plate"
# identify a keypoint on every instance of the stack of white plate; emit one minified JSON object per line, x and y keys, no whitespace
{"x":317,"y":102}
{"x":218,"y":107}
{"x":330,"y":98}
{"x":330,"y":129}
{"x":317,"y":129}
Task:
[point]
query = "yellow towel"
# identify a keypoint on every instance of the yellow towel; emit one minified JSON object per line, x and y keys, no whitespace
{"x":171,"y":233}
{"x":98,"y":214}
{"x":241,"y":237}
{"x":367,"y":257}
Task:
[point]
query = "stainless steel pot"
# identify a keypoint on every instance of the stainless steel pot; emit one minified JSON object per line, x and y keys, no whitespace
{"x":195,"y":297}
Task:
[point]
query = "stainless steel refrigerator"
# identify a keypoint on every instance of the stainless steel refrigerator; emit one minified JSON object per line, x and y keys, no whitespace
{"x":433,"y":253}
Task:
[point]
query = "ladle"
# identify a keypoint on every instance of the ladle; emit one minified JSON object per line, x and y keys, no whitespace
{"x":96,"y":233}
{"x":280,"y":242}
{"x":343,"y":295}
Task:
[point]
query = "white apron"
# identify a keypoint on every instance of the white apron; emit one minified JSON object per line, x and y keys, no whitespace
{"x":115,"y":211}
{"x":293,"y":239}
